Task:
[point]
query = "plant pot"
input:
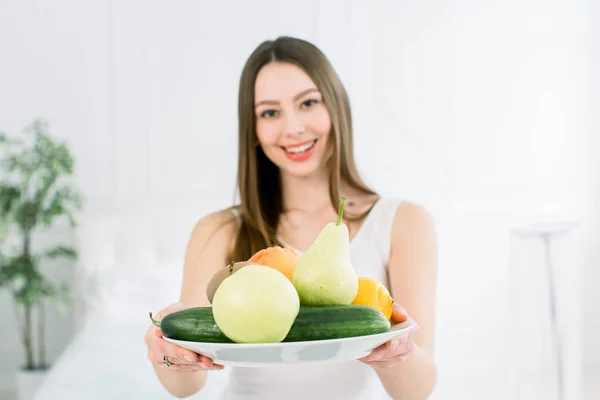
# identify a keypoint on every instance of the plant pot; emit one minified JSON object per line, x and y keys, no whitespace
{"x":28,"y":381}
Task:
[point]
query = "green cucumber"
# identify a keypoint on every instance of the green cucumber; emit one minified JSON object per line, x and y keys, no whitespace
{"x":191,"y":325}
{"x":336,"y":322}
{"x":312,"y":323}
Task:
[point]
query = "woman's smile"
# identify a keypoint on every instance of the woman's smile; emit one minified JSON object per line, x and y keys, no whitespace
{"x":301,"y":151}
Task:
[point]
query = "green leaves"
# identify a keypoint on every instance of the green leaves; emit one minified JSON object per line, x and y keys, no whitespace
{"x":22,"y":274}
{"x":63,"y":202}
{"x":61,"y":251}
{"x":35,"y":190}
{"x":14,"y":268}
{"x":9,"y":195}
{"x":6,"y":140}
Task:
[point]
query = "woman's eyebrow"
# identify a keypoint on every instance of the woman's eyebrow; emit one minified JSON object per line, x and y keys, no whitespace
{"x":296,"y":97}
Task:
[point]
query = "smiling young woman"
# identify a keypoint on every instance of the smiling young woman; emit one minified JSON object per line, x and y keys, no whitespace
{"x":295,"y":162}
{"x":295,"y":130}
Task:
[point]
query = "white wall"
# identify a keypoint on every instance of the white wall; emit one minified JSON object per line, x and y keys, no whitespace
{"x":592,"y":294}
{"x":54,"y":64}
{"x":485,"y":104}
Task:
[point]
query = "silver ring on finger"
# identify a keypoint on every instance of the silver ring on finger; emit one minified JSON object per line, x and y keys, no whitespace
{"x":166,"y":361}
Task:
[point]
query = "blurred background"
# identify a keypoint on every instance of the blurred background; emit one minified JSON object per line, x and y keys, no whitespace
{"x":486,"y":112}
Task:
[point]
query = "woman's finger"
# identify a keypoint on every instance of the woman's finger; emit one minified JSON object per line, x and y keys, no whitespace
{"x":388,"y":363}
{"x":385,"y":357}
{"x":209,"y":363}
{"x":399,"y":314}
{"x":158,"y":348}
{"x":171,"y":349}
{"x":181,"y":367}
{"x":157,"y":356}
{"x":177,"y":357}
{"x":203,"y":362}
{"x":376,"y":354}
{"x":390,"y":350}
{"x":175,"y":351}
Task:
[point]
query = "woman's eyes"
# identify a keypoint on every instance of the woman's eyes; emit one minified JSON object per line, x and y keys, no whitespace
{"x":274,"y":113}
{"x":268,"y":113}
{"x":309,"y":102}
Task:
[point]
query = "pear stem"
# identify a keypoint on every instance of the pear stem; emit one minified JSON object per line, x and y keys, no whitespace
{"x":341,"y":211}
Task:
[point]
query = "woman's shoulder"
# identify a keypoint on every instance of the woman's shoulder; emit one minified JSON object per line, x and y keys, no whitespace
{"x":395,"y":222}
{"x":218,"y":225}
{"x":394,"y":207}
{"x":225,"y":216}
{"x":411,"y":220}
{"x":409,"y":211}
{"x":393,"y":214}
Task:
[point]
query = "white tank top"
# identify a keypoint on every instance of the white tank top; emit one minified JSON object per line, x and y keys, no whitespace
{"x":351,"y":380}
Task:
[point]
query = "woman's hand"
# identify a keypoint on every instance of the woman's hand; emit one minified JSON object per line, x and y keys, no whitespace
{"x":171,"y":356}
{"x":396,"y":350}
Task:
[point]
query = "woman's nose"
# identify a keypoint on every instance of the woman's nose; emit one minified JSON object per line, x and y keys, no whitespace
{"x":293,"y":125}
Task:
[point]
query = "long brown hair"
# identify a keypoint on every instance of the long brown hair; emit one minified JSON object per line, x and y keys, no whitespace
{"x":257,"y":177}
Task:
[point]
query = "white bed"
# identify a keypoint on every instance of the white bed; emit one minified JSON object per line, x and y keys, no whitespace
{"x":129,"y":265}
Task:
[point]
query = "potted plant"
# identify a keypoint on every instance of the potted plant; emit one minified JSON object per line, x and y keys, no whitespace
{"x":34,"y":193}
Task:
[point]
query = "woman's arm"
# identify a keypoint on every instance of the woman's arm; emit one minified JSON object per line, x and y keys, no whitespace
{"x":412,"y":274}
{"x":206,"y":253}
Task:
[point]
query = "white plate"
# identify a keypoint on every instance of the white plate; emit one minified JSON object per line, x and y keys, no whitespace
{"x":292,"y":353}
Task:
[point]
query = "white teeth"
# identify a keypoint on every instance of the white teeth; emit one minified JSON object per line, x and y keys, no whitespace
{"x":301,"y":149}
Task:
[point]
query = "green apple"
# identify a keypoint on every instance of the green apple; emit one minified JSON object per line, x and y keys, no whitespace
{"x":257,"y":304}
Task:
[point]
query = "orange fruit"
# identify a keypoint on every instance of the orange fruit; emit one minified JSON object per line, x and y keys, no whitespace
{"x":373,"y":294}
{"x":282,"y":259}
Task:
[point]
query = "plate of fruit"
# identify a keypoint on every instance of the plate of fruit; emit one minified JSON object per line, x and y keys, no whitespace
{"x":280,"y":308}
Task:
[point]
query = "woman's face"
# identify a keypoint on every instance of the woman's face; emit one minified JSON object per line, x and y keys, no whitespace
{"x":292,"y":122}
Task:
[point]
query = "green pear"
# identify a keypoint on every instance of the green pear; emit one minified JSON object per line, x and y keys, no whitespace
{"x":324,"y":274}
